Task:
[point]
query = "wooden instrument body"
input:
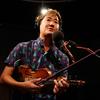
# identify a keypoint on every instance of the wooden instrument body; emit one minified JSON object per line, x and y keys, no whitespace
{"x":26,"y":74}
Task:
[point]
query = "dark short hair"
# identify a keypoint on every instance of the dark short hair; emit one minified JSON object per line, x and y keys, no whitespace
{"x":41,"y":16}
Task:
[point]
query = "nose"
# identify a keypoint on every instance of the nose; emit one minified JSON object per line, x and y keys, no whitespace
{"x":51,"y":23}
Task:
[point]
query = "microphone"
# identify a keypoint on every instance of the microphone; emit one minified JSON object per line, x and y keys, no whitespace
{"x":58,"y":38}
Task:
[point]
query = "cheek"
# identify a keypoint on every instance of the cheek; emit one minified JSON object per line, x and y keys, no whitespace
{"x":42,"y":27}
{"x":57,"y":28}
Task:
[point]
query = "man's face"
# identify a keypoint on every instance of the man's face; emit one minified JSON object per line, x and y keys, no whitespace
{"x":49,"y":24}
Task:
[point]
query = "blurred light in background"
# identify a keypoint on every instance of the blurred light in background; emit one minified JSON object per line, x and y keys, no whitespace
{"x":43,"y":11}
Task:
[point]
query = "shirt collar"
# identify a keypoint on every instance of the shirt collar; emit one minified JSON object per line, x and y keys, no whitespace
{"x":40,"y":41}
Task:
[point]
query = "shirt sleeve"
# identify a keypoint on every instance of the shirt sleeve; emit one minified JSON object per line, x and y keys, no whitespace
{"x":14,"y":55}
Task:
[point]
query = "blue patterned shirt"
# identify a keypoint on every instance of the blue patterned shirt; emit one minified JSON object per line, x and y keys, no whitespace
{"x":32,"y":53}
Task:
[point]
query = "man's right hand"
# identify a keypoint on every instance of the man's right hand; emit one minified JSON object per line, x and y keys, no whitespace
{"x":32,"y":85}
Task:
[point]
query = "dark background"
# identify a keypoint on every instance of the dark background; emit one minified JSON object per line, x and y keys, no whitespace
{"x":81,"y":21}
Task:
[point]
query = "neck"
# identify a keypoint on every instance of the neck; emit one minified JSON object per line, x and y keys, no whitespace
{"x":41,"y":37}
{"x":48,"y":42}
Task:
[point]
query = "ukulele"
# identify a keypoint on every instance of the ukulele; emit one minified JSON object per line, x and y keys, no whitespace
{"x":47,"y":77}
{"x":26,"y":73}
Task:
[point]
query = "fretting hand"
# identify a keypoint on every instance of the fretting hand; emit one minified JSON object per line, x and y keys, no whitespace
{"x":60,"y":83}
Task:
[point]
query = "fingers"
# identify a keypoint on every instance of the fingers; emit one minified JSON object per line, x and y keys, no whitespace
{"x":56,"y":89}
{"x":60,"y":84}
{"x":63,"y":82}
{"x":31,"y":84}
{"x":35,"y":82}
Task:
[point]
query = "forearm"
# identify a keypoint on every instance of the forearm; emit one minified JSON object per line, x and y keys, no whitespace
{"x":9,"y":80}
{"x":6,"y":78}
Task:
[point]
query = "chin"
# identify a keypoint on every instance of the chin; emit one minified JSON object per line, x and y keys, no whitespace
{"x":50,"y":32}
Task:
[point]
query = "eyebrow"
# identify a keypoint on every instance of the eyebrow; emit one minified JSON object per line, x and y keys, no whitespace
{"x":54,"y":19}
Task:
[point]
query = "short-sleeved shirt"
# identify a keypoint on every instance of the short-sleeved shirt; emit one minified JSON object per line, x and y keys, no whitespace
{"x":32,"y":54}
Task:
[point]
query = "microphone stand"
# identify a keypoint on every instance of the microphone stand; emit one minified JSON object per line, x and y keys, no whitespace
{"x":88,"y":50}
{"x":78,"y":47}
{"x":64,"y":46}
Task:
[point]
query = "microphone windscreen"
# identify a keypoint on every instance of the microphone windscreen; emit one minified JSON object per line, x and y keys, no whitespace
{"x":58,"y":36}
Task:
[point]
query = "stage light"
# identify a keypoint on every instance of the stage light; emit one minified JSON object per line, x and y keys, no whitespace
{"x":43,"y":11}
